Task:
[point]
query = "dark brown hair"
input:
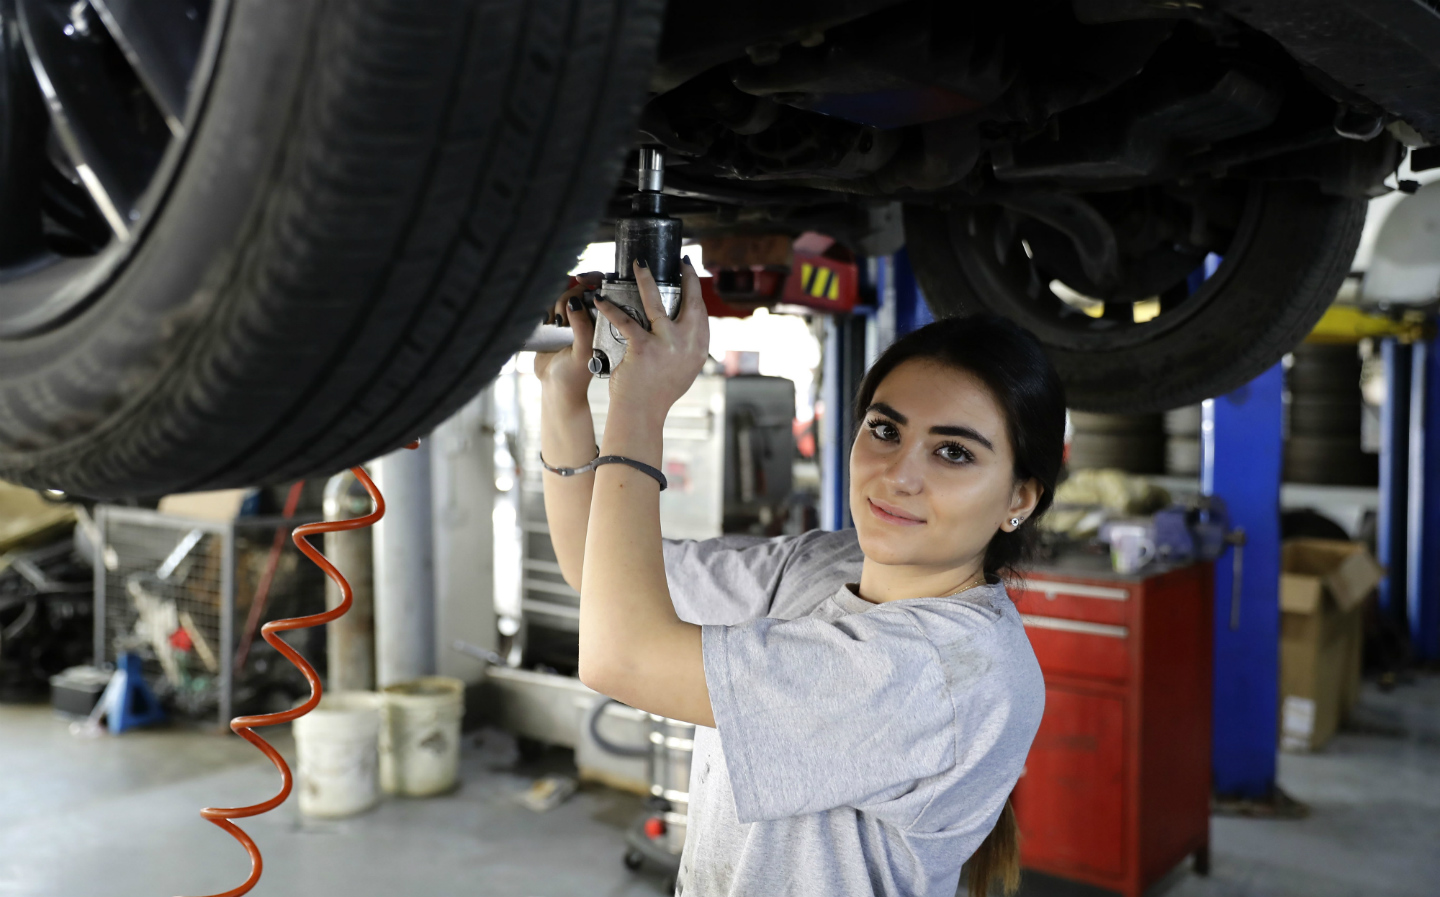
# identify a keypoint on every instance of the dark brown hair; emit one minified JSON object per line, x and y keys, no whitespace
{"x":997,"y":861}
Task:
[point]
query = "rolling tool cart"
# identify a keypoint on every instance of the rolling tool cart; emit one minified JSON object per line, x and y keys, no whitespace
{"x":658,"y":835}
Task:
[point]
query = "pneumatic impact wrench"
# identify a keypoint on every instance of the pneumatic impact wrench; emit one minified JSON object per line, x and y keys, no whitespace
{"x":647,"y":234}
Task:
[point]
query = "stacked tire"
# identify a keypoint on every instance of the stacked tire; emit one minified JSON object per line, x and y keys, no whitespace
{"x":1323,"y":445}
{"x":1182,"y":441}
{"x":1129,"y":442}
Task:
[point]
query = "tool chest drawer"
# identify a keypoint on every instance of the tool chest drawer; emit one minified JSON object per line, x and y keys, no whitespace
{"x":1074,"y":601}
{"x":1078,"y":647}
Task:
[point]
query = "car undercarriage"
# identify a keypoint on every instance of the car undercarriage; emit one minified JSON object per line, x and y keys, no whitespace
{"x":1014,"y":105}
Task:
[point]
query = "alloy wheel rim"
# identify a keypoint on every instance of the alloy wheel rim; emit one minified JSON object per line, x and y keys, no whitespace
{"x":98,"y":100}
{"x":1017,"y":284}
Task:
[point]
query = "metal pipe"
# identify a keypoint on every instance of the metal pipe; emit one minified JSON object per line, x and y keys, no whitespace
{"x":549,"y":338}
{"x":404,"y":569}
{"x":350,"y":640}
{"x":463,"y":493}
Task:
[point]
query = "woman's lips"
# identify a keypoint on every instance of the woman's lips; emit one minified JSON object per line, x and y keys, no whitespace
{"x":892,"y":514}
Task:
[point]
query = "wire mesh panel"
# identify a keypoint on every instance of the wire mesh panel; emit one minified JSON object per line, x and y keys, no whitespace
{"x":166,"y":592}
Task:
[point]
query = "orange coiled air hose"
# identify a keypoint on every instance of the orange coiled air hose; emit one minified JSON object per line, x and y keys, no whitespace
{"x":244,"y":725}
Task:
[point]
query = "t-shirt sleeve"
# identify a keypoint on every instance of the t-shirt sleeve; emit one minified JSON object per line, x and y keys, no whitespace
{"x":814,"y":714}
{"x":725,"y":580}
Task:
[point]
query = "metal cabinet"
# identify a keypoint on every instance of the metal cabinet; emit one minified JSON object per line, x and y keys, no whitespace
{"x":1116,"y":789}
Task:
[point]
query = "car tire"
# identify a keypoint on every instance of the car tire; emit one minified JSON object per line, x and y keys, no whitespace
{"x":1276,"y":280}
{"x":377,"y":201}
{"x":1329,"y":461}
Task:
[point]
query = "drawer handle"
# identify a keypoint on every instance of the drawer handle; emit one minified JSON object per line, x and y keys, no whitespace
{"x":1052,"y":590}
{"x":1064,"y":625}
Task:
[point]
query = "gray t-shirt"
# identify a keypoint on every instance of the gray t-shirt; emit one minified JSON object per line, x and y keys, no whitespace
{"x":859,"y":749}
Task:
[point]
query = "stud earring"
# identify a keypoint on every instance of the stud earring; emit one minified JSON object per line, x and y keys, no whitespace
{"x":1014,"y":521}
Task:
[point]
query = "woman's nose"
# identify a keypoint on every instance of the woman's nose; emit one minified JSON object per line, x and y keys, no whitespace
{"x":904,"y":474}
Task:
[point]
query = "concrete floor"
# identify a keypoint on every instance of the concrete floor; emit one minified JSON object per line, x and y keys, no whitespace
{"x":118,"y":816}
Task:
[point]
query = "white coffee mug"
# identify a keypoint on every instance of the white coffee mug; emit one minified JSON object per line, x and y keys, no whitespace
{"x":1130,"y":548}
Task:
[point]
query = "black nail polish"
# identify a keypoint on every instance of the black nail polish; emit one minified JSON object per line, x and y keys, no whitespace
{"x":559,"y":321}
{"x":575,"y":303}
{"x":641,"y":263}
{"x":686,"y":260}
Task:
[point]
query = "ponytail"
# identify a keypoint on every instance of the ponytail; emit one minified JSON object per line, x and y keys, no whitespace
{"x":997,"y":861}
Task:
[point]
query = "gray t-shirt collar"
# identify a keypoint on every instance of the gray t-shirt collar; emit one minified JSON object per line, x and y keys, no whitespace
{"x":849,"y":600}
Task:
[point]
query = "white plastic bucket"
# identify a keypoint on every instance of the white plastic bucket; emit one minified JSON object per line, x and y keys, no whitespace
{"x":420,"y":736}
{"x":337,"y":746}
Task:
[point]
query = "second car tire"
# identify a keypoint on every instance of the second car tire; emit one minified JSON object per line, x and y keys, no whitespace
{"x":1274,"y":288}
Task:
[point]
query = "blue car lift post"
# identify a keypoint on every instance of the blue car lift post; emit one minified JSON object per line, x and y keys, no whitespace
{"x":1241,"y":452}
{"x":1241,"y":464}
{"x":843,"y":367}
{"x":1422,"y":598}
{"x":1408,"y":529}
{"x":1391,"y":521}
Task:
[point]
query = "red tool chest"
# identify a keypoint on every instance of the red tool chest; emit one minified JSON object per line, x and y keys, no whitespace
{"x":1116,"y":789}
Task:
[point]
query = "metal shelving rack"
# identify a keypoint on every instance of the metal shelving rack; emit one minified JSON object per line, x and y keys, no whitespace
{"x":174,"y":567}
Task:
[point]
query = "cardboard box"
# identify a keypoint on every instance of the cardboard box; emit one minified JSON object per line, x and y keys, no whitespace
{"x":27,"y":519}
{"x":1323,"y":587}
{"x":221,"y":506}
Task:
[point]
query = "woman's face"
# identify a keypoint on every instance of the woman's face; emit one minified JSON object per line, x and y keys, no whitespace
{"x":932,"y":474}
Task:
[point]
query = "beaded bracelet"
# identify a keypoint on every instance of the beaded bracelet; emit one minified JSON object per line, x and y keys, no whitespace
{"x":571,"y":471}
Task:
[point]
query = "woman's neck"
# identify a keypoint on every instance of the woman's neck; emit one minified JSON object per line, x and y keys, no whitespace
{"x":883,"y":582}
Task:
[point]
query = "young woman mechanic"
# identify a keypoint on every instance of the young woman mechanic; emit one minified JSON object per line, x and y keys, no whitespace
{"x":865,"y":698}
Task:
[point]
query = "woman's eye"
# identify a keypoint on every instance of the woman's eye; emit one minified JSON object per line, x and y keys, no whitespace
{"x":883,"y":430}
{"x":955,"y":453}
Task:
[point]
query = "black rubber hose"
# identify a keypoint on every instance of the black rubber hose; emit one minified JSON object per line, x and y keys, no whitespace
{"x":592,"y":723}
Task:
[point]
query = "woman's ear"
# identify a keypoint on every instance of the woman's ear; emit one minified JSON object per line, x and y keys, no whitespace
{"x":1024,"y":499}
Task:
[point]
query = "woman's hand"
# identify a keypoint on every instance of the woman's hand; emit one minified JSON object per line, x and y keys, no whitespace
{"x":659,"y":364}
{"x":566,"y":373}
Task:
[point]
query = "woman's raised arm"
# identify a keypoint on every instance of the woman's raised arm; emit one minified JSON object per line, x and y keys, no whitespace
{"x":567,"y":431}
{"x":633,"y":647}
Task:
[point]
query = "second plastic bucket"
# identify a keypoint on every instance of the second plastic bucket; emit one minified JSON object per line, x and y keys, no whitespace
{"x":336,"y":745}
{"x":420,"y":737}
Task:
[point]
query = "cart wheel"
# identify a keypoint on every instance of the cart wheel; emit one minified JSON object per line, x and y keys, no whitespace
{"x":633,"y":859}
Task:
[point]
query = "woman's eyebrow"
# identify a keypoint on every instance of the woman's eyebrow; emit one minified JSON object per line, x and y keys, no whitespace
{"x":888,"y":412}
{"x":962,"y":432}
